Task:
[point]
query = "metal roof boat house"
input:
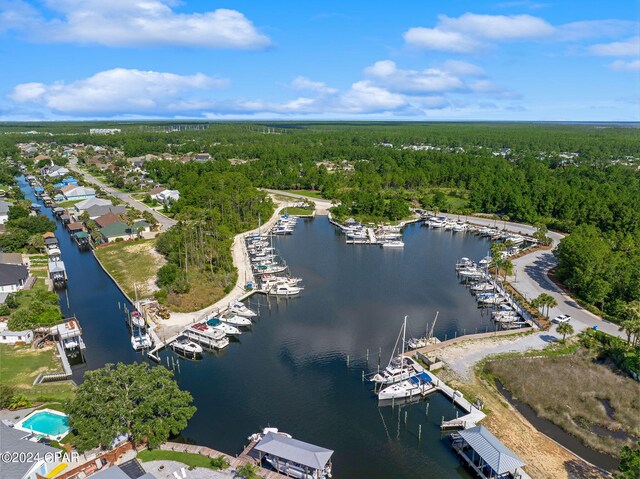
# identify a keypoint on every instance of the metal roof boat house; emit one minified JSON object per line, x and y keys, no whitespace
{"x":293,"y":457}
{"x":486,"y":455}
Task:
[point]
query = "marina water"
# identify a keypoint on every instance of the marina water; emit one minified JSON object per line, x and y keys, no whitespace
{"x":300,"y":367}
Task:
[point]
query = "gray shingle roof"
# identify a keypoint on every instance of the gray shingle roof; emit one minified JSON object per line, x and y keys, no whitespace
{"x":13,"y":440}
{"x":12,"y":274}
{"x":293,"y":450}
{"x":491,"y":450}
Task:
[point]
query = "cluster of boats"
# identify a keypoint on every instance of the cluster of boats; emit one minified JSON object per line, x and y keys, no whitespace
{"x":269,"y":268}
{"x":387,"y":236}
{"x":404,"y":377}
{"x":443,"y":222}
{"x":487,"y":292}
{"x":284,"y":225}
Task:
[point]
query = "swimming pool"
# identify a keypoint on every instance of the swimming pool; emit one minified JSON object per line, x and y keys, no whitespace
{"x":50,"y":423}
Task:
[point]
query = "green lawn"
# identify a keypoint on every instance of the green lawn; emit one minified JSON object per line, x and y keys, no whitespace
{"x":297,"y":211}
{"x":133,"y":264}
{"x":309,"y":193}
{"x":69,"y":203}
{"x":20,"y":366}
{"x":191,"y":460}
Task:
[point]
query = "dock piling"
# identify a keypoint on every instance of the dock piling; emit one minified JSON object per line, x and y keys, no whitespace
{"x":363,"y":376}
{"x":347,"y":360}
{"x":405,"y":418}
{"x":419,"y":432}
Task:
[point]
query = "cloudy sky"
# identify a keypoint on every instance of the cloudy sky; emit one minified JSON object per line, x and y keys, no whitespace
{"x":416,"y":60}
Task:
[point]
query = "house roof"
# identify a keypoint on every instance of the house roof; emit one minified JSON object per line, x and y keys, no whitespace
{"x":77,"y":190}
{"x":14,"y":440}
{"x":48,"y":234}
{"x":75,"y":226}
{"x":119,"y":228}
{"x":11,"y":258}
{"x":96,"y":211}
{"x":12,"y":274}
{"x":293,"y":450}
{"x":156,"y":190}
{"x":51,"y":240}
{"x":89,"y":202}
{"x":4,"y":206}
{"x":107,"y":219}
{"x":491,"y":450}
{"x":81,"y":234}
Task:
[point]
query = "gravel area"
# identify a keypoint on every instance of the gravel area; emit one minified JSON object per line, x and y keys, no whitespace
{"x":165,"y":470}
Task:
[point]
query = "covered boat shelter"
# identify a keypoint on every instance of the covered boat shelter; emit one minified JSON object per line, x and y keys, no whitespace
{"x":486,"y":455}
{"x":291,"y":453}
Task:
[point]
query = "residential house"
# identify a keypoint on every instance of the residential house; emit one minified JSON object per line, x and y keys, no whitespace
{"x":54,"y":171}
{"x":42,"y":157}
{"x":13,"y":337}
{"x":154,"y":192}
{"x":78,"y":208}
{"x":72,"y":192}
{"x":36,"y":459}
{"x":164,"y":195}
{"x":12,"y":277}
{"x":11,"y":258}
{"x":97,"y":210}
{"x":4,"y":211}
{"x":119,"y":229}
{"x":202,"y":157}
{"x":107,"y":219}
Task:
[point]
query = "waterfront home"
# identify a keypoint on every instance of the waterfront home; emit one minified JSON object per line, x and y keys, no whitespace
{"x":54,"y":171}
{"x":72,"y":192}
{"x":485,"y":454}
{"x":12,"y":277}
{"x":14,"y":337}
{"x":36,"y":459}
{"x":68,"y":181}
{"x":107,"y":219}
{"x":96,"y":211}
{"x":75,"y":227}
{"x":4,"y":211}
{"x":12,"y":258}
{"x":119,"y":229}
{"x":84,"y":205}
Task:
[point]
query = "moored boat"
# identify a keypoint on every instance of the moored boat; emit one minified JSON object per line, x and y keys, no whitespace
{"x":186,"y":347}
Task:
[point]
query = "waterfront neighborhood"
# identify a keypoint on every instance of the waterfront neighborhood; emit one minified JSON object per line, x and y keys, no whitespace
{"x":319,"y":241}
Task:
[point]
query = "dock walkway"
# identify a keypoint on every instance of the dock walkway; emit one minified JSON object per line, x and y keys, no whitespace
{"x":236,"y":462}
{"x":473,"y":416}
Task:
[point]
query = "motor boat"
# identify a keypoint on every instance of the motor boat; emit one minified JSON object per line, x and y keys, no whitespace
{"x":235,"y":320}
{"x":137,"y":321}
{"x":240,"y":309}
{"x":285,"y":290}
{"x":216,"y":323}
{"x":186,"y":347}
{"x":141,"y":340}
{"x":207,"y":336}
{"x":415,"y":386}
{"x":392,"y":244}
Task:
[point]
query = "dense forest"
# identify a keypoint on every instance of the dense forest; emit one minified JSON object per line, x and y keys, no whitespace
{"x":574,"y":178}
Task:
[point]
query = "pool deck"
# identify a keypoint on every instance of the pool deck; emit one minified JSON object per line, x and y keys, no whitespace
{"x":19,"y":425}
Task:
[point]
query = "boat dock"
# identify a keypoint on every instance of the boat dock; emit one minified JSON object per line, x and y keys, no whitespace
{"x":473,"y":416}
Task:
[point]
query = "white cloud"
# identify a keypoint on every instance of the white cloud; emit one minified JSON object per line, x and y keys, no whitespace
{"x":497,"y":27}
{"x":124,"y":23}
{"x":458,"y":67}
{"x":629,"y":47}
{"x":437,"y":39}
{"x":413,"y":81}
{"x":115,"y":91}
{"x":363,"y":96}
{"x":596,"y":29}
{"x":622,"y":66}
{"x":303,"y":83}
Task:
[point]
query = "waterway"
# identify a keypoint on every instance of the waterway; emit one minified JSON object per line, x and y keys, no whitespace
{"x":291,"y":370}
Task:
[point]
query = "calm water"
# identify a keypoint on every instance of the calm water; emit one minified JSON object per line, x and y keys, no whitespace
{"x":291,"y":370}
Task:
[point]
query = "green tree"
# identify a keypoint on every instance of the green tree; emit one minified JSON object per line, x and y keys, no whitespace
{"x":629,"y":463}
{"x":17,"y":212}
{"x":564,"y":329}
{"x":141,"y":401}
{"x":544,"y":302}
{"x":248,"y":471}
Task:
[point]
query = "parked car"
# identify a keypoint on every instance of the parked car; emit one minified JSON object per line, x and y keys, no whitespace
{"x":563,"y":318}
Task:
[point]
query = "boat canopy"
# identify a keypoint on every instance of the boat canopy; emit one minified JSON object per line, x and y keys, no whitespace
{"x":497,"y":456}
{"x":293,"y":450}
{"x":421,"y":378}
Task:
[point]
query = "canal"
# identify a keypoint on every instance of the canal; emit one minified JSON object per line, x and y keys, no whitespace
{"x":291,"y":370}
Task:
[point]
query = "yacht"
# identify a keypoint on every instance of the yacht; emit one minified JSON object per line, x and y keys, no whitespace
{"x":210,"y":337}
{"x":141,"y":340}
{"x":137,"y":321}
{"x":428,"y":339}
{"x":186,"y":347}
{"x":240,"y":309}
{"x":229,"y":330}
{"x":285,"y":290}
{"x":415,"y":386}
{"x":392,"y":244}
{"x":235,"y":320}
{"x":438,"y":222}
{"x":479,"y":287}
{"x":464,"y":263}
{"x":459,"y":226}
{"x":399,"y":367}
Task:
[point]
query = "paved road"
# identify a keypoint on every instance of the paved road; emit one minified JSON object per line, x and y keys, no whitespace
{"x":164,"y":221}
{"x":530,"y":279}
{"x":322,"y":206}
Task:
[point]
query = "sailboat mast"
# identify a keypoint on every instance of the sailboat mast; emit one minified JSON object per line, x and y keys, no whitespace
{"x":404,"y":334}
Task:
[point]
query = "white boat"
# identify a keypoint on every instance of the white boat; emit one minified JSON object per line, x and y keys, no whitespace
{"x":240,"y":309}
{"x":185,"y":346}
{"x":399,"y":367}
{"x":459,"y":226}
{"x":482,"y":287}
{"x":285,"y":290}
{"x":271,"y":269}
{"x":428,"y":339}
{"x":141,"y":340}
{"x":259,"y":435}
{"x":490,"y":298}
{"x":235,"y":320}
{"x":438,"y":222}
{"x":137,"y":321}
{"x":471,"y":273}
{"x":71,"y":343}
{"x":392,"y":244}
{"x":415,"y":386}
{"x":212,"y":338}
{"x":215,"y":323}
{"x":464,"y":263}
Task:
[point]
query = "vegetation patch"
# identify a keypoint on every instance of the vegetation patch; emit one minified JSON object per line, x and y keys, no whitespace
{"x":133,"y":264}
{"x":296,"y":211}
{"x":191,"y":460}
{"x":572,"y":391}
{"x":309,"y":193}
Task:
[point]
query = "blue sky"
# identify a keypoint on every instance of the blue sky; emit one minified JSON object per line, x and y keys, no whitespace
{"x":406,"y":60}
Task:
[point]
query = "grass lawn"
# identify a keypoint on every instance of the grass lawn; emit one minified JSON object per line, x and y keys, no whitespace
{"x":133,"y":264}
{"x":20,"y":366}
{"x":291,"y":210}
{"x":69,"y":203}
{"x":203,"y":291}
{"x":590,"y":401}
{"x":309,"y":193}
{"x":191,"y":460}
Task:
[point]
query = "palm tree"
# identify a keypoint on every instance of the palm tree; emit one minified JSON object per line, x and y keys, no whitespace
{"x":546,"y":302}
{"x":564,"y":329}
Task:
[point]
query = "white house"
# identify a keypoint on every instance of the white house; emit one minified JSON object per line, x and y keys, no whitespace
{"x":12,"y":277}
{"x":14,"y":337}
{"x":72,"y":192}
{"x":54,"y":171}
{"x":4,"y":211}
{"x":164,"y":195}
{"x":88,"y":203}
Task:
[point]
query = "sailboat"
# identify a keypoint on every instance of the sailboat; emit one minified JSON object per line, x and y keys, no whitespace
{"x":399,"y":367}
{"x":429,"y":338}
